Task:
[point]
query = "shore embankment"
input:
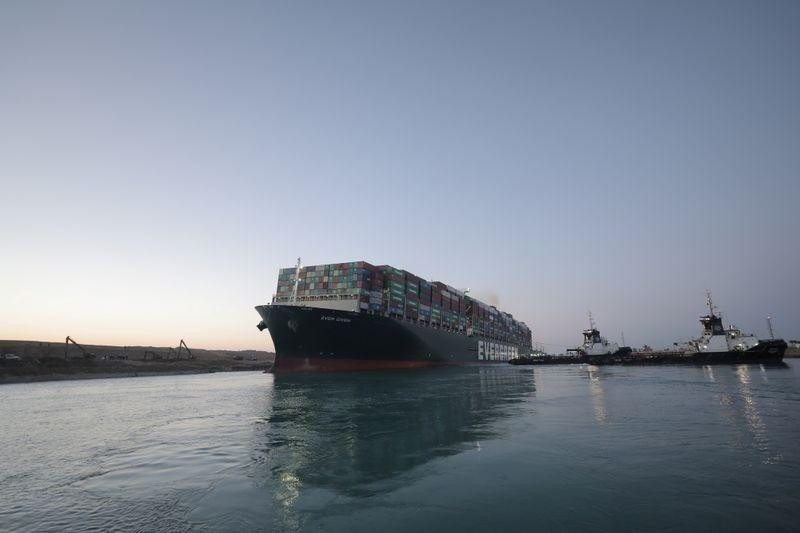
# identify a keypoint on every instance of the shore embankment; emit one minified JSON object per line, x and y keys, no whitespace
{"x":48,"y":361}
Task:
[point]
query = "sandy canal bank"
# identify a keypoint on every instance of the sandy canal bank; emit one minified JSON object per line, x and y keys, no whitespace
{"x":47,"y":361}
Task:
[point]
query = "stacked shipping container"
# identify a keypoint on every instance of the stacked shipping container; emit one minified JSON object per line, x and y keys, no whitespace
{"x":393,"y":292}
{"x":344,"y":281}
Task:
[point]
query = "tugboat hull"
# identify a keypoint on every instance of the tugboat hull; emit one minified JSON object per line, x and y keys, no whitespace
{"x":769,"y":350}
{"x":766,"y":351}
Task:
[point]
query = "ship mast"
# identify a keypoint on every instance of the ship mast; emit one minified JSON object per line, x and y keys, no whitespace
{"x":710,"y":303}
{"x":297,"y":270}
{"x":591,"y":320}
{"x":769,"y":325}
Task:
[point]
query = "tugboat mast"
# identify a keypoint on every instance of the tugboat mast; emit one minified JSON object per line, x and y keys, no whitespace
{"x":710,"y":303}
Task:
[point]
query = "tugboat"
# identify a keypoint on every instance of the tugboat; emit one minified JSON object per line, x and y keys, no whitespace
{"x":718,"y":343}
{"x":595,"y":345}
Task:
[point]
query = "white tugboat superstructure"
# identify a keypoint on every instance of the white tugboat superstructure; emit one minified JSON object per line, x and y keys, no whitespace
{"x":595,"y":344}
{"x":715,"y":338}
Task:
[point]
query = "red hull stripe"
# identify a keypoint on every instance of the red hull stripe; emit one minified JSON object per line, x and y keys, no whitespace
{"x":318,"y":364}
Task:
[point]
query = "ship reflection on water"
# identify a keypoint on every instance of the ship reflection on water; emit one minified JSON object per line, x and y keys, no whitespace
{"x":597,"y":394}
{"x":363,"y":434}
{"x":478,"y":449}
{"x":334,"y":451}
{"x":743,"y":407}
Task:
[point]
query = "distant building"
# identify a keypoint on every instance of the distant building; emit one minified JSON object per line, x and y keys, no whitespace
{"x":794,"y":344}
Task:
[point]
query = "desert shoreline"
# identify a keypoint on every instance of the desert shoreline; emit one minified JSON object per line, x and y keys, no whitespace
{"x":35,"y":361}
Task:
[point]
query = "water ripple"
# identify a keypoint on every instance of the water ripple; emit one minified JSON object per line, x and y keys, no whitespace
{"x":501,"y":448}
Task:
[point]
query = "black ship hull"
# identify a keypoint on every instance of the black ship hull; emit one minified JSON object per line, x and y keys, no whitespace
{"x":310,"y":339}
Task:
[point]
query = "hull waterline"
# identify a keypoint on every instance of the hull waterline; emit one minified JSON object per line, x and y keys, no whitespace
{"x":310,"y":339}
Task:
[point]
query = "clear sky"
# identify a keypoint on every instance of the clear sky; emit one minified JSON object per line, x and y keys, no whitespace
{"x":160,"y":161}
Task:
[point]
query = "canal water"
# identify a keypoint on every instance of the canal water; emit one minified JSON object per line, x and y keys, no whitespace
{"x":479,"y":449}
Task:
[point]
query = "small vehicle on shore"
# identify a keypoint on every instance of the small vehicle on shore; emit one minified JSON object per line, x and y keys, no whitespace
{"x":11,"y":357}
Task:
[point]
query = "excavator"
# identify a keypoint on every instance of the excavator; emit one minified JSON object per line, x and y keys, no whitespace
{"x":171,"y":354}
{"x":86,"y":353}
{"x":189,"y":354}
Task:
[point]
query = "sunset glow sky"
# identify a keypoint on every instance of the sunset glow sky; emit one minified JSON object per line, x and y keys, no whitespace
{"x":160,"y":161}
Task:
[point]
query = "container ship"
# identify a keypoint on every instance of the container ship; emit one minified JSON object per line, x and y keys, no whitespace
{"x":358,"y":316}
